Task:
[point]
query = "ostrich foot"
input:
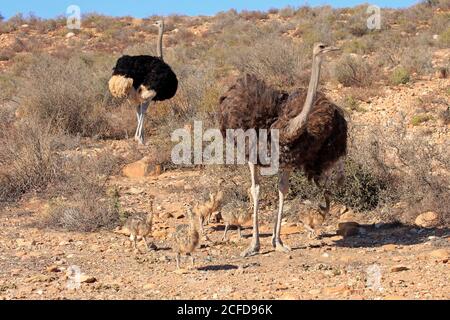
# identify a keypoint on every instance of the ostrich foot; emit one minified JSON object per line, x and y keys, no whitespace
{"x":282,"y":248}
{"x":251,"y":251}
{"x":140,"y":140}
{"x":279,"y":246}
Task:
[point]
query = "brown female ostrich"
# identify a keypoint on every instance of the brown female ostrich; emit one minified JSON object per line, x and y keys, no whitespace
{"x":144,"y":79}
{"x":312,"y":132}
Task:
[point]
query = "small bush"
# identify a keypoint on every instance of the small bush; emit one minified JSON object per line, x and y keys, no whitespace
{"x":353,"y":71}
{"x":350,"y":103}
{"x":420,"y":118}
{"x":400,"y":76}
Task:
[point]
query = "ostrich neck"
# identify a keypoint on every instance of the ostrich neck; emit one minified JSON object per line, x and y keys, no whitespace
{"x":297,"y":123}
{"x":160,"y":43}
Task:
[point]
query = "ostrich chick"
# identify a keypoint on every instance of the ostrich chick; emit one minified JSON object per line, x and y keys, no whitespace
{"x":205,"y":210}
{"x":235,"y":213}
{"x":186,"y":238}
{"x":311,"y":221}
{"x":140,"y":227}
{"x":313,"y":218}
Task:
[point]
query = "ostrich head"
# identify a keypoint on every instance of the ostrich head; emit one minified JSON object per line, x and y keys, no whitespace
{"x":159,"y":24}
{"x":320,"y":49}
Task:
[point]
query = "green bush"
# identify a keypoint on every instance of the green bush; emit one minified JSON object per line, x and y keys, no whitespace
{"x":420,"y":118}
{"x":350,"y":103}
{"x":400,"y":76}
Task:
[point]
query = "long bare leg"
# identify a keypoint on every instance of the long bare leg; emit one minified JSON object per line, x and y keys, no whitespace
{"x":239,"y":232}
{"x":254,"y":246}
{"x":138,"y":118}
{"x":225,"y":232}
{"x":283,"y":188}
{"x":143,"y":110}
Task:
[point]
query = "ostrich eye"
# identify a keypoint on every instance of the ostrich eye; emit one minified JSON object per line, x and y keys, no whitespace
{"x":322,"y":46}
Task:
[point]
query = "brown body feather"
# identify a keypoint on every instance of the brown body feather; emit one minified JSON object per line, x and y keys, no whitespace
{"x":251,"y":103}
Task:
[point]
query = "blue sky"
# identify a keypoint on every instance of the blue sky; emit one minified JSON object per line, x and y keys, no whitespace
{"x":144,"y":8}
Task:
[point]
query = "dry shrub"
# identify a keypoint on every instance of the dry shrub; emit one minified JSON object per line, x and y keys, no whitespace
{"x":70,"y":95}
{"x":253,"y":15}
{"x":28,"y":159}
{"x":276,"y":60}
{"x":287,"y":12}
{"x":417,"y":171}
{"x":84,"y":203}
{"x":353,"y":71}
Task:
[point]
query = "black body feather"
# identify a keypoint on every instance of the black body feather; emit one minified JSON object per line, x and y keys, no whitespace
{"x":152,"y":72}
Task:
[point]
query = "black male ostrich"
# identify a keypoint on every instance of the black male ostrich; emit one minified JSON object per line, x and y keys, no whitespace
{"x":143,"y":79}
{"x":312,"y":132}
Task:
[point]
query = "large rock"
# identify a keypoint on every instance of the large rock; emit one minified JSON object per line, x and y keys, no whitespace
{"x":347,"y":229}
{"x":428,"y":219}
{"x":141,"y":168}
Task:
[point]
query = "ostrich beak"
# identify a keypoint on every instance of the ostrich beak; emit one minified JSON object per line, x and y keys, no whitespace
{"x":330,"y":49}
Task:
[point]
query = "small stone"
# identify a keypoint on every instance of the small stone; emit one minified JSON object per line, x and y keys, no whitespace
{"x":399,"y":268}
{"x":178,"y":214}
{"x":335,"y":290}
{"x":149,"y":286}
{"x":389,"y":247}
{"x":135,"y":191}
{"x":181,"y":271}
{"x":70,"y":35}
{"x":53,"y":268}
{"x":141,"y":168}
{"x":314,"y":292}
{"x":428,"y":219}
{"x":166,"y":215}
{"x":84,"y":278}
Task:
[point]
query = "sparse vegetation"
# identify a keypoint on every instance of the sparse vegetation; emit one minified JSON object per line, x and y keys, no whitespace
{"x":353,"y":71}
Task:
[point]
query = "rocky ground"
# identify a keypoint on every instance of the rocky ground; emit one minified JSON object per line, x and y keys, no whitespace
{"x":381,"y":261}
